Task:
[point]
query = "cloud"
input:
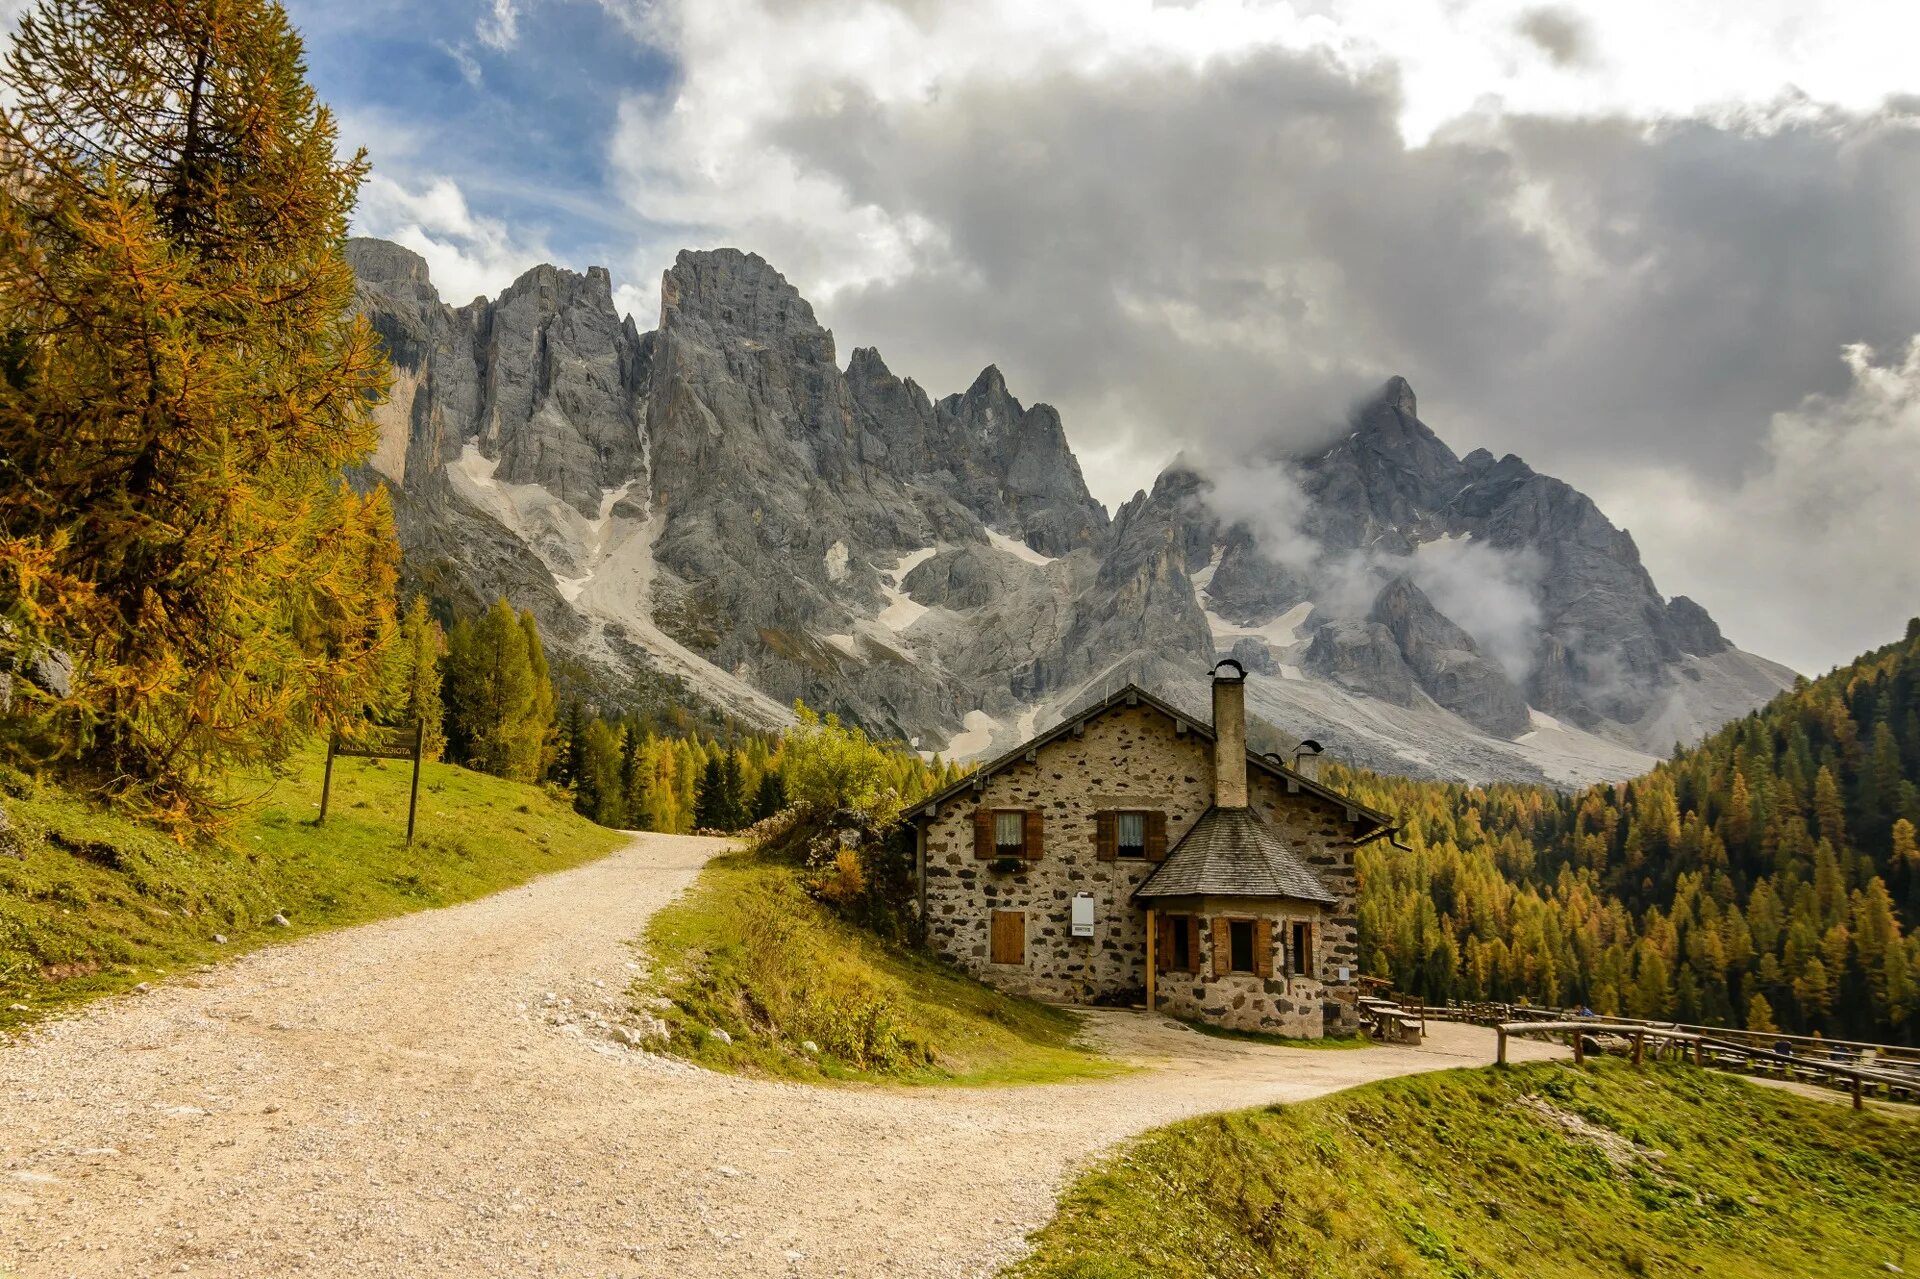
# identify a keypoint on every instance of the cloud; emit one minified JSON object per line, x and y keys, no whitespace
{"x":500,"y":27}
{"x":1561,"y":35}
{"x":467,"y":255}
{"x":1812,"y":550}
{"x":1492,"y":593}
{"x":1201,"y":227}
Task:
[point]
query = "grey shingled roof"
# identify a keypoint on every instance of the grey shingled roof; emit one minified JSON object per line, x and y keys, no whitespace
{"x":1230,"y":852}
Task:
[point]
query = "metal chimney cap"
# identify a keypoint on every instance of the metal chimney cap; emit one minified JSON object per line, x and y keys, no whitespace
{"x":1308,"y":747}
{"x":1220,"y":672}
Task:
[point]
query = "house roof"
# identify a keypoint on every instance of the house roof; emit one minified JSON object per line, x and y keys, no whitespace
{"x":1231,"y":852}
{"x":1134,"y":695}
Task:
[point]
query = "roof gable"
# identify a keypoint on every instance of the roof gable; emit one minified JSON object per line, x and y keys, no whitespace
{"x":1134,"y":695}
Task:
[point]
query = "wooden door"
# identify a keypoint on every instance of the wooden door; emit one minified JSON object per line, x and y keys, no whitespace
{"x":1008,"y":943}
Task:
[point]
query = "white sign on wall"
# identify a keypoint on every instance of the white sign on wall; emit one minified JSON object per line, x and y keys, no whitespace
{"x":1083,"y":914}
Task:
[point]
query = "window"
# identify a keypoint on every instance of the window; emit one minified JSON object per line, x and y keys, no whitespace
{"x":1180,"y":942}
{"x":1010,"y":833}
{"x":1302,"y":949}
{"x":1240,"y":934}
{"x":1132,"y":834}
{"x":1007,"y":941}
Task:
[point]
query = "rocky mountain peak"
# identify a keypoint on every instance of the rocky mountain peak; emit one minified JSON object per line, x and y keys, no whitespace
{"x":721,"y":502}
{"x":1397,"y":394}
{"x":382,"y":262}
{"x":728,"y":290}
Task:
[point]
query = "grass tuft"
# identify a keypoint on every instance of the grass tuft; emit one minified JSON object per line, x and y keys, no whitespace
{"x":748,"y":952}
{"x":96,"y":904}
{"x":1534,"y":1172}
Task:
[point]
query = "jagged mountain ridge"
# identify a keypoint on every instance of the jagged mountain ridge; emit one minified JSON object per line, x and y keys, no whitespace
{"x":718,"y":501}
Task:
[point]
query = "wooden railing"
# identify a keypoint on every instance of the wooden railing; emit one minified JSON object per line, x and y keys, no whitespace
{"x":1709,"y":1050}
{"x":1860,"y":1052}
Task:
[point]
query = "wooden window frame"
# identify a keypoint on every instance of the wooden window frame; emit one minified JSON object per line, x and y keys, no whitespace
{"x":1169,"y":957}
{"x":1018,"y":819}
{"x":1106,"y":838}
{"x":986,"y":834}
{"x":1300,"y":961}
{"x":1234,"y":927}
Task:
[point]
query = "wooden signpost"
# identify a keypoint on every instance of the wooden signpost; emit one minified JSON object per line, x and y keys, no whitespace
{"x":387,"y":743}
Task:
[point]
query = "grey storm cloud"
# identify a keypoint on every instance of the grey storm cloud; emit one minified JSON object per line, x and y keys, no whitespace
{"x":1559,"y":34}
{"x":1231,"y":252}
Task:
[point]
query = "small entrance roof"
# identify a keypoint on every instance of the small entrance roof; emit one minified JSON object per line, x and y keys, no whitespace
{"x":1231,"y":852}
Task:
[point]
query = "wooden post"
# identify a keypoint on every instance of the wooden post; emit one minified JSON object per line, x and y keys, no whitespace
{"x":1151,"y":957}
{"x":413,"y":796}
{"x":1699,"y":1051}
{"x":1856,"y":1092}
{"x":1639,"y":1047}
{"x":1579,"y":1047}
{"x":1500,"y":1058}
{"x":326,"y":783}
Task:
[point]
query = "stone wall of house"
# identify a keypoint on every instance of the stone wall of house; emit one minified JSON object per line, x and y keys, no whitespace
{"x":1320,"y":830}
{"x":1282,"y":1004}
{"x":1128,"y":758}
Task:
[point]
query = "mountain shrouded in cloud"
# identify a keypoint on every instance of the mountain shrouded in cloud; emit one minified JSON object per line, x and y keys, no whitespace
{"x":1618,"y":243}
{"x":720,"y":503}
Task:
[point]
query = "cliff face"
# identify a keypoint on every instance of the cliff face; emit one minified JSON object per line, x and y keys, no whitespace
{"x":718,"y":502}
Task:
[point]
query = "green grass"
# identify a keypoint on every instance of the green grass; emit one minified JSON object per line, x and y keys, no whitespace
{"x":748,"y":952}
{"x":1537,"y":1171}
{"x":1335,"y":1042}
{"x":99,"y":903}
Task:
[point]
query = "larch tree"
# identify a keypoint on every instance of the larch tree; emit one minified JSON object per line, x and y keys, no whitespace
{"x":181,"y":387}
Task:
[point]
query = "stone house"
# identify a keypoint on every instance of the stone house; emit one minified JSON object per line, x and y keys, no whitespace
{"x":1132,"y":852}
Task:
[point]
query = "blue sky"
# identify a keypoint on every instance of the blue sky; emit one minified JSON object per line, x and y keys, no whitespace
{"x":524,"y":130}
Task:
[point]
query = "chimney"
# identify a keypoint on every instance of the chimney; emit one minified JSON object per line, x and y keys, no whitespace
{"x":1229,"y":735}
{"x":1306,"y":760}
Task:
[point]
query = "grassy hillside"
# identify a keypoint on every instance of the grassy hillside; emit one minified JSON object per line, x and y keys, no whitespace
{"x":747,"y":951}
{"x":1534,"y":1172}
{"x":97,"y":904}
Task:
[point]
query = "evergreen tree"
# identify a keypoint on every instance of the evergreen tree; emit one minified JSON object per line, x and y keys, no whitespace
{"x":770,"y":798}
{"x":710,"y":798}
{"x":182,"y":385}
{"x":573,"y":755}
{"x":733,"y":792}
{"x":599,"y":795}
{"x":491,"y":695}
{"x":636,"y":781}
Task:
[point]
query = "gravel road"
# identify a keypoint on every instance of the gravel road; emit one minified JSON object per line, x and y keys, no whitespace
{"x":403,"y":1099}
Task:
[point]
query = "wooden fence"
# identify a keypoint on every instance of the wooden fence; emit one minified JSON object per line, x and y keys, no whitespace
{"x":1714,"y":1048}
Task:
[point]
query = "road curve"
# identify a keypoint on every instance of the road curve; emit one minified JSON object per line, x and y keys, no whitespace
{"x":396,"y":1099}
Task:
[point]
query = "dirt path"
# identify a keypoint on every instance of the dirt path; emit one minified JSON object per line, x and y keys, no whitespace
{"x":396,"y":1099}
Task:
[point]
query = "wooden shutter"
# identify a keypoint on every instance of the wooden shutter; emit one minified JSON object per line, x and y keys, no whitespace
{"x":1106,"y":835}
{"x":1263,"y":948}
{"x":1222,"y":946}
{"x":1193,"y":944}
{"x":1156,"y":837}
{"x":1163,"y":944}
{"x":1035,"y":840}
{"x":1007,"y":942}
{"x":983,"y":832}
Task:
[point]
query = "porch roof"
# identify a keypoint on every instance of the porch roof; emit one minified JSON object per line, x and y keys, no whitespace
{"x":1231,"y":852}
